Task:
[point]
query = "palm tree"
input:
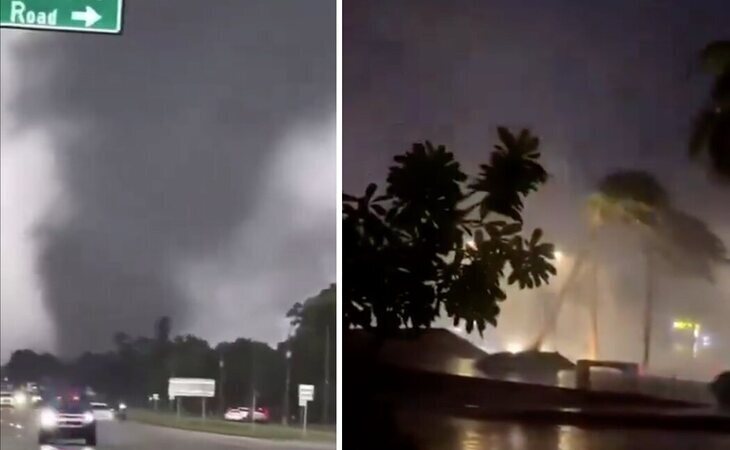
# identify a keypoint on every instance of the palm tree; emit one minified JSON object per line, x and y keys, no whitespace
{"x":711,"y":129}
{"x":626,"y":197}
{"x":634,"y":199}
{"x":678,"y":240}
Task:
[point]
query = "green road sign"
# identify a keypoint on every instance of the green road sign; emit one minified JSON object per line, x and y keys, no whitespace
{"x":92,"y":16}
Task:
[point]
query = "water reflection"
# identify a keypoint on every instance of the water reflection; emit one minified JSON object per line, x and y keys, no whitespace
{"x":465,"y":367}
{"x":516,"y":437}
{"x":471,"y":441}
{"x":432,"y":432}
{"x":65,"y":447}
{"x":568,"y":438}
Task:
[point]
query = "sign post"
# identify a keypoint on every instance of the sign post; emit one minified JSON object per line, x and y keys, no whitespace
{"x":304,"y":426}
{"x":90,"y":16}
{"x":306,"y":395}
{"x":253,"y":411}
{"x":191,"y":387}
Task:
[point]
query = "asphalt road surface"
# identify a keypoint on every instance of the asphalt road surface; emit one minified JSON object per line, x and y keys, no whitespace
{"x":19,"y":433}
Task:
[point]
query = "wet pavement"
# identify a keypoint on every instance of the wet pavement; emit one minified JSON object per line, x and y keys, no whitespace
{"x":435,"y":432}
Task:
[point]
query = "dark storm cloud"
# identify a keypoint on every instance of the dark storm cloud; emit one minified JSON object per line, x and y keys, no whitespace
{"x":605,"y":84}
{"x":166,"y":130}
{"x":615,"y":79}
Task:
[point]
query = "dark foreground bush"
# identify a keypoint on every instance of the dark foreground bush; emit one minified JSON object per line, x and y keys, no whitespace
{"x":721,"y":388}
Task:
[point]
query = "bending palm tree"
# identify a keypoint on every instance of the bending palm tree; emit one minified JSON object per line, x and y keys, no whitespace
{"x":711,"y":130}
{"x":624,"y":197}
{"x":683,"y":242}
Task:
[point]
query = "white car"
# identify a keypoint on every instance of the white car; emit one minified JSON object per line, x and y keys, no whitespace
{"x":240,"y":414}
{"x":235,"y":414}
{"x":102,"y":412}
{"x":6,"y":399}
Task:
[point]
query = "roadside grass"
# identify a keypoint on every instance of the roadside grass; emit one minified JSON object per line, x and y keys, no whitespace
{"x":215,"y":425}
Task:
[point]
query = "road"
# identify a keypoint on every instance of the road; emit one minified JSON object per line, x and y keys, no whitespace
{"x":19,"y":433}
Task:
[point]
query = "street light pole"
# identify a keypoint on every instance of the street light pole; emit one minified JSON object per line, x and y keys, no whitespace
{"x":285,"y":416}
{"x":325,"y":394}
{"x":253,"y":384}
{"x":221,"y":366}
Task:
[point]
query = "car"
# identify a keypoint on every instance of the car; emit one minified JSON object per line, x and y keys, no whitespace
{"x":67,"y":417}
{"x":241,"y":414}
{"x":122,"y":411}
{"x":261,"y":415}
{"x":20,"y":399}
{"x":102,"y":412}
{"x":34,"y":393}
{"x":234,"y":414}
{"x":7,"y":399}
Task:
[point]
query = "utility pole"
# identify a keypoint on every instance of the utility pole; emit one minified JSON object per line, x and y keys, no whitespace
{"x":648,"y":307}
{"x":222,"y":376}
{"x":285,"y":416}
{"x":252,"y":412}
{"x":253,"y":409}
{"x":287,"y":381}
{"x":326,"y":390}
{"x":594,"y":309}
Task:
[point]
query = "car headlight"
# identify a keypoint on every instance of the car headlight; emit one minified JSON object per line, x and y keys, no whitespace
{"x":49,"y":419}
{"x":122,"y":406}
{"x":20,"y":399}
{"x":88,"y":417}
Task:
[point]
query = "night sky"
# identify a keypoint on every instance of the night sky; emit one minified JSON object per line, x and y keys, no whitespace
{"x":605,"y":84}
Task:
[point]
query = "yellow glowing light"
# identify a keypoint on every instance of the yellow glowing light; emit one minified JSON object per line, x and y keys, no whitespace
{"x":514,"y":347}
{"x":685,"y":325}
{"x":558,"y":255}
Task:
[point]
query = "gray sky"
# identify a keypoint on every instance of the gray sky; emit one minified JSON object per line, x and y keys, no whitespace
{"x":186,"y":168}
{"x":605,"y":84}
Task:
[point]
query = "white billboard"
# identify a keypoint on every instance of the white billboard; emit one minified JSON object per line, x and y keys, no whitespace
{"x":191,"y":387}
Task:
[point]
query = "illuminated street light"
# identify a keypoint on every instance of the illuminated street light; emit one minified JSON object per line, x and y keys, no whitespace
{"x":514,"y":347}
{"x":694,"y":328}
{"x":706,"y":341}
{"x":558,"y":255}
{"x":685,"y":325}
{"x":20,"y":399}
{"x":696,"y":345}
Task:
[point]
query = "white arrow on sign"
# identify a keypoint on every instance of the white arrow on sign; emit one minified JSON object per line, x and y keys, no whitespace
{"x":89,"y":17}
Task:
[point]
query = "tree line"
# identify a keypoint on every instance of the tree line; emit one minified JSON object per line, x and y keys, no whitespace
{"x":140,"y":366}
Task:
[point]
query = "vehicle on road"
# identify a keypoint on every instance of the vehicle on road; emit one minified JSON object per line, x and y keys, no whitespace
{"x":241,"y":414}
{"x":67,"y":417}
{"x":33,"y":391}
{"x":24,"y":396}
{"x":102,"y":412}
{"x":234,"y":415}
{"x":7,"y":400}
{"x":122,"y":412}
